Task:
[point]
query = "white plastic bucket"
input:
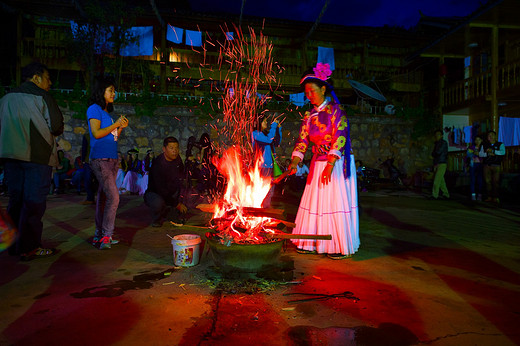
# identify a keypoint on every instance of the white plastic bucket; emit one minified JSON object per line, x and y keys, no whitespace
{"x":186,"y":250}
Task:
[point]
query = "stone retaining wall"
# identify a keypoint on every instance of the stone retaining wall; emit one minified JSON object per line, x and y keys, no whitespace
{"x":374,"y":138}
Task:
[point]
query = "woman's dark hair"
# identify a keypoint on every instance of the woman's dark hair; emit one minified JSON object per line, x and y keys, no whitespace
{"x":206,"y":148}
{"x":259,"y":122}
{"x":204,"y":140}
{"x":98,"y":93}
{"x":189,"y":148}
{"x":316,"y":81}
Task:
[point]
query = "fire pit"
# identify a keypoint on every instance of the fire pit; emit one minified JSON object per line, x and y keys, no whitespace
{"x":247,"y":258}
{"x":246,"y":237}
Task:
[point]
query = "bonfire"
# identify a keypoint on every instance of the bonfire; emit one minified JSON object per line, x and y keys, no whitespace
{"x":238,"y":216}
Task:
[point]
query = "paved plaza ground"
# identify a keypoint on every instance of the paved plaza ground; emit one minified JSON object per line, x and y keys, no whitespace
{"x":427,"y":273}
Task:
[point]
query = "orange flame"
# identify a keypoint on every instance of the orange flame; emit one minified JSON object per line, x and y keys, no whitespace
{"x":244,"y":189}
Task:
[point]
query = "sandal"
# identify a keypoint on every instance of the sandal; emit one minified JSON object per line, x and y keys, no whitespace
{"x":306,"y":252}
{"x":38,"y":253}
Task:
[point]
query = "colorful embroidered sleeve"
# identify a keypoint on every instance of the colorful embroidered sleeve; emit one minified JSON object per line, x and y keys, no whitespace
{"x":339,"y":132}
{"x":302,"y":142}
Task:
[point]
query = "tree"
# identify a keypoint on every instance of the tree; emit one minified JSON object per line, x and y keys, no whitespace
{"x":103,"y":30}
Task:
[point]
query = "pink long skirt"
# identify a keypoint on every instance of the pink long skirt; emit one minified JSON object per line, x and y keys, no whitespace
{"x":329,"y":209}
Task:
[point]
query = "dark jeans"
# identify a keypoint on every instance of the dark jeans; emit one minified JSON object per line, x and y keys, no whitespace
{"x":58,"y":178}
{"x":159,"y":207}
{"x":492,"y":177}
{"x":108,"y":195}
{"x":28,"y":185}
{"x":476,"y":179}
{"x":77,"y":178}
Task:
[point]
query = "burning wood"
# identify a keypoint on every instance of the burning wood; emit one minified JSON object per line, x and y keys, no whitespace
{"x":246,"y":211}
{"x":238,"y":217}
{"x":275,"y":214}
{"x":210,"y":208}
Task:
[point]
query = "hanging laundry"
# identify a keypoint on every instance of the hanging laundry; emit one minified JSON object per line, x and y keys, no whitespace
{"x":326,"y":56}
{"x":174,"y":34}
{"x":509,"y":131}
{"x":143,"y":45}
{"x":298,"y":99}
{"x":193,"y":38}
{"x":468,"y":138}
{"x":457,"y":136}
{"x":450,"y":136}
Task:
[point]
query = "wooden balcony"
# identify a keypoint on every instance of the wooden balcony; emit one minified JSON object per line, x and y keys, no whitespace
{"x":478,"y":87}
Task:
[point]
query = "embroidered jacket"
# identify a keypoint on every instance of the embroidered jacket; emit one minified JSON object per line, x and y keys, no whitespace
{"x":327,"y":128}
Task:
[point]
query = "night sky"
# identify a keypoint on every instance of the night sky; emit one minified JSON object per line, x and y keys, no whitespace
{"x":403,"y":13}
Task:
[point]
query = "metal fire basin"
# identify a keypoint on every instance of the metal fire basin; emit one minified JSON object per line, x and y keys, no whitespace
{"x":247,"y":258}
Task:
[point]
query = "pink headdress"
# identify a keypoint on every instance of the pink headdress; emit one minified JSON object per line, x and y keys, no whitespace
{"x":321,"y":71}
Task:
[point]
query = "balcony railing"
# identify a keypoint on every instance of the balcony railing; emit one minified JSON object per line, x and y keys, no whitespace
{"x":457,"y":160}
{"x":508,"y":75}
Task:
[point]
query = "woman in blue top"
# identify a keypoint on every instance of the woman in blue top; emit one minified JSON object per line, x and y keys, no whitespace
{"x":104,"y":133}
{"x":264,"y":139}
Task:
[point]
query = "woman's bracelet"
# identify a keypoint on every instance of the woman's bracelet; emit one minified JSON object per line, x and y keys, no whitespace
{"x":330,"y":163}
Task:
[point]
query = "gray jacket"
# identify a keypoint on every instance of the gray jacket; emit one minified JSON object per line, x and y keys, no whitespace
{"x":440,"y":152}
{"x":30,"y":120}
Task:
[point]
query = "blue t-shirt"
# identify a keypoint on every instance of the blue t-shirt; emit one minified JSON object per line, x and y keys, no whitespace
{"x":105,"y":147}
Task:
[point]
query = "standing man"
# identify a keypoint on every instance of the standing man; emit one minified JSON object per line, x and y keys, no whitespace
{"x":440,"y":159}
{"x":30,"y":120}
{"x":165,"y":183}
{"x":492,"y":152}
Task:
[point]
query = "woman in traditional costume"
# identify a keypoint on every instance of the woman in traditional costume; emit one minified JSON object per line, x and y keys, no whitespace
{"x":329,"y":201}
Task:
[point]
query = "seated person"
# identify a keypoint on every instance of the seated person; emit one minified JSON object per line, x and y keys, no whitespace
{"x":165,"y":184}
{"x":61,"y":172}
{"x":142,"y":176}
{"x":142,"y":180}
{"x":147,"y":162}
{"x":210,"y":182}
{"x":192,"y":163}
{"x":129,"y":184}
{"x":298,"y":181}
{"x":120,"y":171}
{"x":78,"y":174}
